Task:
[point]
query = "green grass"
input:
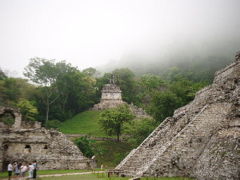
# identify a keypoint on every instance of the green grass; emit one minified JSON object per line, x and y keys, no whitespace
{"x":110,"y":153}
{"x":3,"y":175}
{"x":107,"y":153}
{"x":104,"y":177}
{"x":88,"y":176}
{"x":55,"y":171}
{"x":84,"y":177}
{"x":83,"y":123}
{"x":62,"y":171}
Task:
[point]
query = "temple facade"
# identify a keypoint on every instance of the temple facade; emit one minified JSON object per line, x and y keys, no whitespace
{"x":111,"y":97}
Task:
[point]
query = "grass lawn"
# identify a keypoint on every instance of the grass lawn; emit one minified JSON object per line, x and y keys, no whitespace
{"x":46,"y":172}
{"x":3,"y":175}
{"x":88,"y":176}
{"x":104,"y":177}
{"x":109,"y":153}
{"x":62,"y":171}
{"x":83,"y":123}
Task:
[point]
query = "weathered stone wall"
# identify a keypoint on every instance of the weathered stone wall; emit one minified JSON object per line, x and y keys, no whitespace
{"x":1,"y":152}
{"x":25,"y":142}
{"x":111,"y":92}
{"x":15,"y":113}
{"x":220,"y":159}
{"x":201,"y":139}
{"x":51,"y":149}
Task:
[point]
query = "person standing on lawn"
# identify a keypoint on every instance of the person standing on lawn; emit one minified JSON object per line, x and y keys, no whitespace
{"x":30,"y":170}
{"x":10,"y":170}
{"x":23,"y":169}
{"x":34,"y":169}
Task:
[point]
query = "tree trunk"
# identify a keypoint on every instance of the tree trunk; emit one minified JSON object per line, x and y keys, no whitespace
{"x":47,"y":111}
{"x":118,"y":138}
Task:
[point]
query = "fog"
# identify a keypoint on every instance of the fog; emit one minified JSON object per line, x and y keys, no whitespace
{"x":103,"y":33}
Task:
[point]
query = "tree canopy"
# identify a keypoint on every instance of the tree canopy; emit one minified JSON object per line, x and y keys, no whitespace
{"x":59,"y":90}
{"x":111,"y":120}
{"x":61,"y":84}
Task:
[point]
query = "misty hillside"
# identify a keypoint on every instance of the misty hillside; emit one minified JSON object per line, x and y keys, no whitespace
{"x":193,"y":68}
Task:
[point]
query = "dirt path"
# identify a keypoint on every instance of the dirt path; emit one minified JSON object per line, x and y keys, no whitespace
{"x":67,"y":174}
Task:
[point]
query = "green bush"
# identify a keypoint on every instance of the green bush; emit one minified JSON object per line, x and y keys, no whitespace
{"x":84,"y":144}
{"x":53,"y":124}
{"x":111,"y":120}
{"x":137,"y":130}
{"x":7,"y":119}
{"x":28,"y":110}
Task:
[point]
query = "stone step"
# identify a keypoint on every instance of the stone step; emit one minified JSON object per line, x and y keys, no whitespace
{"x":194,"y":128}
{"x":145,"y":155}
{"x":177,"y":138}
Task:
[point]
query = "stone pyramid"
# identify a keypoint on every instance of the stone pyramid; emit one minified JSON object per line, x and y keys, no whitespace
{"x":201,"y":140}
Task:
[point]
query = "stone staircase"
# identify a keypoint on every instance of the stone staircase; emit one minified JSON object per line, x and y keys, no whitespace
{"x":192,"y":139}
{"x":157,"y":148}
{"x":157,"y":142}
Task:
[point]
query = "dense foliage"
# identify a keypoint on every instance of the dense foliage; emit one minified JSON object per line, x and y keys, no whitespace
{"x":58,"y":90}
{"x":84,"y":144}
{"x":61,"y":85}
{"x":137,"y":130}
{"x":111,"y":120}
{"x":27,"y":109}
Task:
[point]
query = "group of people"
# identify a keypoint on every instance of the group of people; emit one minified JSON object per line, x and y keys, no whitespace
{"x":21,"y":169}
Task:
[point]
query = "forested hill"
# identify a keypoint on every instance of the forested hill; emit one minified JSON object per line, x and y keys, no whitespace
{"x":196,"y":68}
{"x":61,"y":95}
{"x":60,"y":90}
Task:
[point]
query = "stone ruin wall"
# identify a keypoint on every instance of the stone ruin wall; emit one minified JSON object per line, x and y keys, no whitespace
{"x":201,"y":140}
{"x":15,"y":114}
{"x":50,"y":148}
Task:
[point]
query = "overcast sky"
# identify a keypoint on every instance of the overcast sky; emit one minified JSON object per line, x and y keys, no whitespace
{"x":93,"y":32}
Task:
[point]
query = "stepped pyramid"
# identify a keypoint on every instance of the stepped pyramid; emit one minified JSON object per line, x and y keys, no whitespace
{"x":111,"y":97}
{"x":201,"y":140}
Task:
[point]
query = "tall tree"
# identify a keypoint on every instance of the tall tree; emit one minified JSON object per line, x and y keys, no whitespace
{"x":91,"y":72}
{"x":138,"y":129}
{"x":125,"y":78}
{"x":28,"y":110}
{"x":45,"y":72}
{"x":80,"y":96}
{"x":163,"y":105}
{"x":111,"y":120}
{"x":63,"y":85}
{"x":2,"y":75}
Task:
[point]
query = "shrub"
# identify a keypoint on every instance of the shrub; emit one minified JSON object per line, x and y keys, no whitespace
{"x":84,"y":144}
{"x":55,"y":124}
